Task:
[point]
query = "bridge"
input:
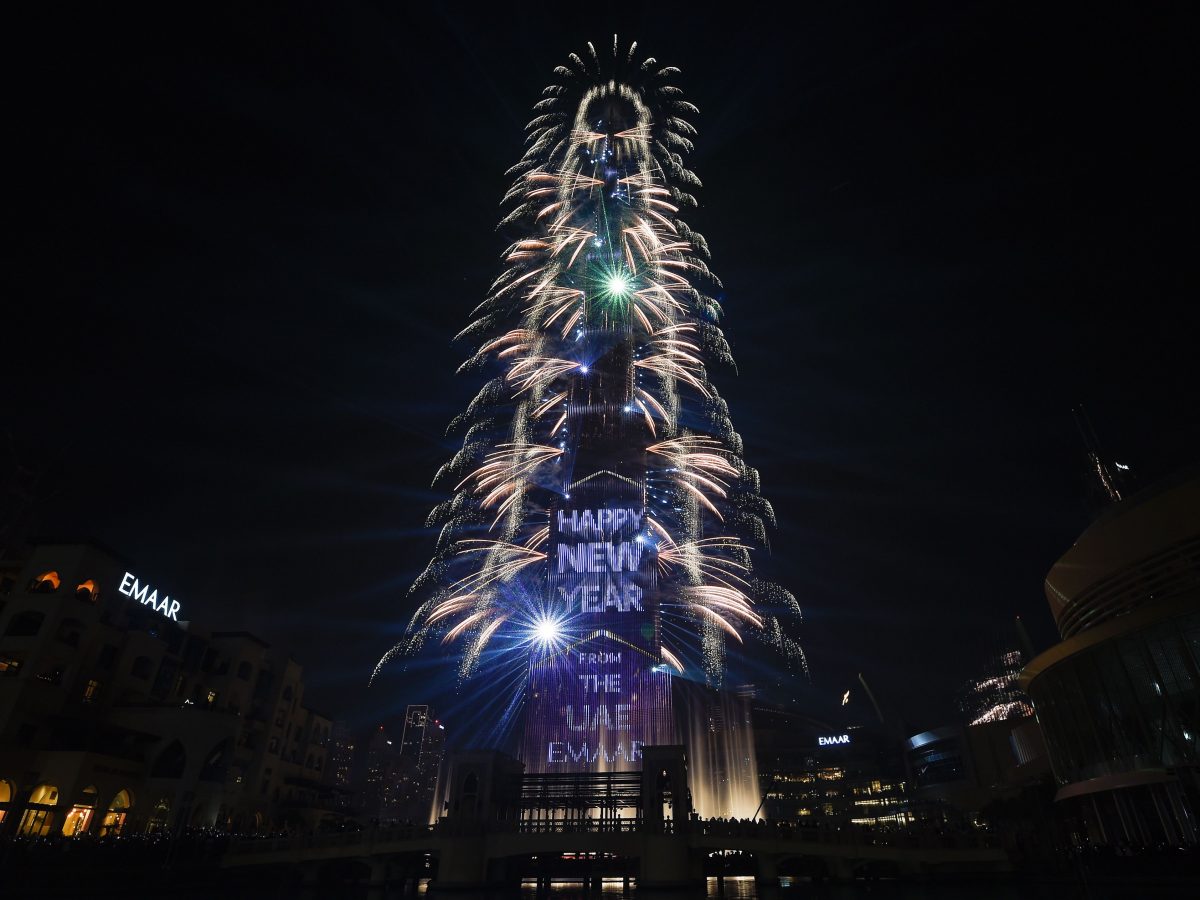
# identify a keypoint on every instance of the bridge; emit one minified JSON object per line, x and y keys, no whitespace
{"x":502,"y":827}
{"x":474,"y":855}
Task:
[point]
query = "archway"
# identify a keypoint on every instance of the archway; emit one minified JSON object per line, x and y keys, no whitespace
{"x":79,"y":816}
{"x":470,"y":795}
{"x":114,"y":818}
{"x":39,"y":814}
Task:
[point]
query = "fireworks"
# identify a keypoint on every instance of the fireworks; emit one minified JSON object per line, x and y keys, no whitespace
{"x":606,"y":313}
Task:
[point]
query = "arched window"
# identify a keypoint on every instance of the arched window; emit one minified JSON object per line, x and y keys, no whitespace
{"x":170,"y":762}
{"x":6,"y":795}
{"x":114,"y":819}
{"x":470,"y":794}
{"x":79,"y":816}
{"x":25,"y":624}
{"x":87,"y":591}
{"x":46,"y":583}
{"x":39,"y":814}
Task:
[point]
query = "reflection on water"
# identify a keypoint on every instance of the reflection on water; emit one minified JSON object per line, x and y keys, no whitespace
{"x":746,"y":888}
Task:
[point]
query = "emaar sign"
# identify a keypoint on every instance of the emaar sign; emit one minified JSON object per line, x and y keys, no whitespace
{"x":833,"y":740}
{"x":147,"y":597}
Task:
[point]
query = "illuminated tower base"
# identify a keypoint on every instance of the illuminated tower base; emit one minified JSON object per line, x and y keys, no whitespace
{"x":600,"y":693}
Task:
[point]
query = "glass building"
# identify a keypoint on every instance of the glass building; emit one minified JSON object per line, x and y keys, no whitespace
{"x":1119,"y":698}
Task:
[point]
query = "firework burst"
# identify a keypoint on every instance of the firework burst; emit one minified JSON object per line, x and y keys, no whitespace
{"x":602,"y":266}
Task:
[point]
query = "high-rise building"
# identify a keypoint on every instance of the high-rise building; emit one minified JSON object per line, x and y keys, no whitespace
{"x":599,"y":541}
{"x":422,"y":748}
{"x":994,"y":695}
{"x":380,"y":796}
{"x":1119,"y":698}
{"x":339,"y":769}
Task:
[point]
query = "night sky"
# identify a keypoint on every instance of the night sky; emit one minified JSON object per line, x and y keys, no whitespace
{"x":242,"y":243}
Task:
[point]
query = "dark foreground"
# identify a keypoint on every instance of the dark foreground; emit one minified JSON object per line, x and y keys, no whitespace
{"x":149,"y":866}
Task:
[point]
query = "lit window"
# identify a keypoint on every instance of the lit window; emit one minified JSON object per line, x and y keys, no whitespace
{"x":212,"y":697}
{"x":90,"y":690}
{"x":46,"y":583}
{"x":114,"y":819}
{"x":9,"y":666}
{"x":37,"y":818}
{"x":88,"y":591}
{"x":77,"y":819}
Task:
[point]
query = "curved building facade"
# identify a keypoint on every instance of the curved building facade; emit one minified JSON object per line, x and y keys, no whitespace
{"x":1119,"y":698}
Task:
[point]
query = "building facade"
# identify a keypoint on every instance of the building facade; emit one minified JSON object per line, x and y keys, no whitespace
{"x":118,"y":713}
{"x":423,"y":746}
{"x":1119,"y":698}
{"x":994,"y":695}
{"x":825,"y":775}
{"x":399,"y":769}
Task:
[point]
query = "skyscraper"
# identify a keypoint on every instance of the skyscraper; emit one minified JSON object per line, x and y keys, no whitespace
{"x":421,"y":752}
{"x":994,"y":695}
{"x":598,"y":543}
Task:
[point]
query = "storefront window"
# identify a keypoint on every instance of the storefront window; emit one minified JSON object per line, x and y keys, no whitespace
{"x":77,"y":820}
{"x":39,"y":815}
{"x":6,"y":795}
{"x":114,"y":818}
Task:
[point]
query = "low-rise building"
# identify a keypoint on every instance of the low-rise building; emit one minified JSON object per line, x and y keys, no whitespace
{"x":117,"y":712}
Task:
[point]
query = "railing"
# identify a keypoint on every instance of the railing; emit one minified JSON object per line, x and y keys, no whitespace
{"x":916,"y":839}
{"x":577,"y":826}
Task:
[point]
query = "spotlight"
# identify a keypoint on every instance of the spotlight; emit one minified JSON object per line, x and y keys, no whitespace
{"x":547,"y":630}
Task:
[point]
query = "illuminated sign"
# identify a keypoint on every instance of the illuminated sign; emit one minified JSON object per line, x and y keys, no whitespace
{"x":579,"y":551}
{"x":147,"y":597}
{"x":602,"y":695}
{"x":833,"y":740}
